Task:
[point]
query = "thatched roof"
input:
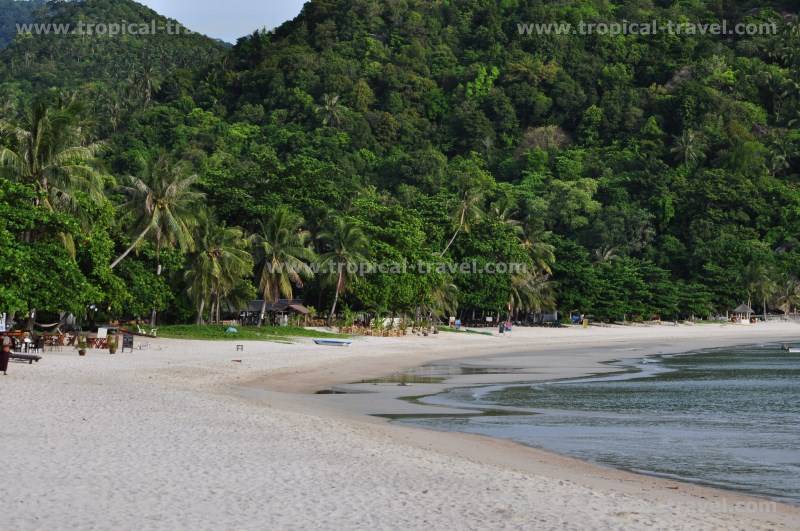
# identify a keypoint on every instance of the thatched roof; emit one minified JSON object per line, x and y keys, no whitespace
{"x":743,"y":308}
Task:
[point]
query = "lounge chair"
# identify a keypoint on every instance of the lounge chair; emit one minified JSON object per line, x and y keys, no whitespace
{"x":142,"y":332}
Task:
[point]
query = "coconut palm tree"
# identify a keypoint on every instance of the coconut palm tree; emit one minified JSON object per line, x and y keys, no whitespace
{"x":49,"y":152}
{"x":219,"y":267}
{"x":162,"y":205}
{"x":530,"y":291}
{"x":787,"y":296}
{"x":442,"y":299}
{"x":759,"y":284}
{"x":505,"y":211}
{"x":468,"y":211}
{"x":283,"y":250}
{"x":688,"y":147}
{"x":331,"y":110}
{"x":347,"y":248}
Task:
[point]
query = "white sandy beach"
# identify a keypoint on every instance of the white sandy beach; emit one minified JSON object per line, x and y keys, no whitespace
{"x":169,"y":438}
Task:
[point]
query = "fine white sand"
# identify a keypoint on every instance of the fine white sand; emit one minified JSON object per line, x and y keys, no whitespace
{"x":179,"y":437}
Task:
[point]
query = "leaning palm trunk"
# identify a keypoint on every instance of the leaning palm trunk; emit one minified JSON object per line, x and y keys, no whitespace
{"x":335,"y":298}
{"x":455,"y":234}
{"x":136,"y":242}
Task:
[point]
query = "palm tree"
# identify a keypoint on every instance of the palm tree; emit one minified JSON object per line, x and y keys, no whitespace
{"x":347,"y":248}
{"x":220,"y":266}
{"x":534,"y":239}
{"x":504,"y":210}
{"x":530,"y":290}
{"x":162,"y":205}
{"x":758,"y":283}
{"x":283,"y":249}
{"x":442,"y":299}
{"x":468,"y":211}
{"x":788,"y":295}
{"x":331,"y":110}
{"x":688,"y":147}
{"x":49,"y":153}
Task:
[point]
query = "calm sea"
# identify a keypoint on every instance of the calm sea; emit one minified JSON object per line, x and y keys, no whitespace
{"x":728,"y":418}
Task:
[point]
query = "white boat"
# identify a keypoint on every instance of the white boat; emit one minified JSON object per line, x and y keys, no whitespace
{"x":794,"y":350}
{"x":333,"y":342}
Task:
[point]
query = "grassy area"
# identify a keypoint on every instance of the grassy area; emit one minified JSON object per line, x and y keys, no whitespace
{"x":245,"y":333}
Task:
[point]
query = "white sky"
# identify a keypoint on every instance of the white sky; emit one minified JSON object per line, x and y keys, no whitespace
{"x":227,"y":19}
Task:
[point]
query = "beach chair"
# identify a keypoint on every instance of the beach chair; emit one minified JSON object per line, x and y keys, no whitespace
{"x":142,"y":332}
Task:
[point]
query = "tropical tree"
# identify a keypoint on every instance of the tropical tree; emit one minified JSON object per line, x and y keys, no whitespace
{"x":688,"y":147}
{"x":787,"y":296}
{"x":346,"y":247}
{"x":468,"y":211}
{"x":530,"y":291}
{"x":220,"y":266}
{"x":331,"y":110}
{"x":442,"y":299}
{"x":162,"y":205}
{"x":49,"y":152}
{"x":284,"y":252}
{"x":759,"y":284}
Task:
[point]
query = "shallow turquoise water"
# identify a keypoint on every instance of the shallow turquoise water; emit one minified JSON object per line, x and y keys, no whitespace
{"x":728,"y":418}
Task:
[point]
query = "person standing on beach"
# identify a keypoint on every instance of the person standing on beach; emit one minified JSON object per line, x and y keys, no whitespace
{"x":5,"y":355}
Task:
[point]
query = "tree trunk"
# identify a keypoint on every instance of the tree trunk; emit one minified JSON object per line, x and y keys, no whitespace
{"x":121,"y":257}
{"x":219,"y":303}
{"x":335,"y":298}
{"x":455,"y":234}
{"x":765,"y":309}
{"x":263,"y":309}
{"x":200,"y":311}
{"x":154,"y":314}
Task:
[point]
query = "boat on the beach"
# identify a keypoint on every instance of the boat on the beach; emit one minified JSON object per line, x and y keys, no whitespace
{"x":333,"y":342}
{"x":791,"y":348}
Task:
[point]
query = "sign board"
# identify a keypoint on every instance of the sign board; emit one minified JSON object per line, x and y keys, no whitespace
{"x":127,"y":342}
{"x":489,"y":319}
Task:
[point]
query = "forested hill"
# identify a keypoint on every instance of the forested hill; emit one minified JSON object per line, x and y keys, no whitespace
{"x":121,"y":70}
{"x":634,"y":175}
{"x":13,"y":12}
{"x":638,"y":157}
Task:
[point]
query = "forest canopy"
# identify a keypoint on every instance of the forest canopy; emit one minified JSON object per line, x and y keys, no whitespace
{"x":632,"y":176}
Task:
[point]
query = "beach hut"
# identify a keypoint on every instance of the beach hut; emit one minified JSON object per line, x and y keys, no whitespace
{"x":276,"y":312}
{"x":742,"y":313}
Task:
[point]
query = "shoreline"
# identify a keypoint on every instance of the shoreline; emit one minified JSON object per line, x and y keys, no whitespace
{"x":518,"y":455}
{"x":188,"y":435}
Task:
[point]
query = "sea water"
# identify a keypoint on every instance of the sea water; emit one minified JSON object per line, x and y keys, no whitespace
{"x":728,"y":418}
